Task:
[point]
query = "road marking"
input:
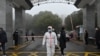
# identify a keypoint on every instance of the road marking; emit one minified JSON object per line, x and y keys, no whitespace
{"x":33,"y":54}
{"x":14,"y":54}
{"x":94,"y":54}
{"x":86,"y":54}
{"x":68,"y":54}
{"x":57,"y":53}
{"x":23,"y":45}
{"x":74,"y":54}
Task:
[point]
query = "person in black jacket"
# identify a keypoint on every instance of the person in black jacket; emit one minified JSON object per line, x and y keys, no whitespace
{"x":32,"y":34}
{"x":86,"y":37}
{"x":3,"y":40}
{"x":27,"y":36}
{"x":97,"y":36}
{"x":62,"y":40}
{"x":15,"y":37}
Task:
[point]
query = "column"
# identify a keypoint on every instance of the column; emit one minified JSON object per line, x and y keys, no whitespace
{"x":19,"y":23}
{"x":6,"y":21}
{"x":98,"y":11}
{"x":89,"y":19}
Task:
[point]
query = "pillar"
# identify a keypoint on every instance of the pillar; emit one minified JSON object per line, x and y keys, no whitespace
{"x":19,"y":23}
{"x":98,"y":12}
{"x":89,"y":19}
{"x":6,"y":21}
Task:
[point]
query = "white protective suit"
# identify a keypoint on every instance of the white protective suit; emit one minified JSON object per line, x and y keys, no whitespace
{"x":50,"y":39}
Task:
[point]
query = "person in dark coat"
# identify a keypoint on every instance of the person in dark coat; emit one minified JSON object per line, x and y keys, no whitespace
{"x":62,"y":40}
{"x":32,"y":34}
{"x":3,"y":40}
{"x":86,"y":37}
{"x":15,"y":37}
{"x":26,"y":36}
{"x":97,"y":36}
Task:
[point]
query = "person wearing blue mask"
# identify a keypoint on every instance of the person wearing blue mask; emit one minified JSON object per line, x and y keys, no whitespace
{"x":50,"y":39}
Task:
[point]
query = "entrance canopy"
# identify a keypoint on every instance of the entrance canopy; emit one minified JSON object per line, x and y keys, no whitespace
{"x":28,"y":4}
{"x":83,"y":3}
{"x":25,"y":4}
{"x":39,"y":2}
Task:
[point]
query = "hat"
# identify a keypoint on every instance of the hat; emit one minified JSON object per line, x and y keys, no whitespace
{"x":50,"y":27}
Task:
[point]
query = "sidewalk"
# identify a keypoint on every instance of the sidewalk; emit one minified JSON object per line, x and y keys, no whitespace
{"x":88,"y":48}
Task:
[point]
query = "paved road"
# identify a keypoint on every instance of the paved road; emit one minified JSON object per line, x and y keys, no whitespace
{"x":34,"y":48}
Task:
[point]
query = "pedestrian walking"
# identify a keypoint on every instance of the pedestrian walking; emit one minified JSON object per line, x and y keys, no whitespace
{"x":3,"y":40}
{"x":26,"y":36}
{"x":15,"y":37}
{"x":50,"y":39}
{"x":97,"y":36}
{"x":86,"y":37}
{"x":62,"y":41}
{"x":32,"y":34}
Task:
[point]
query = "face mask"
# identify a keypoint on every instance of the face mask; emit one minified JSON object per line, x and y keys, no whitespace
{"x":49,"y":30}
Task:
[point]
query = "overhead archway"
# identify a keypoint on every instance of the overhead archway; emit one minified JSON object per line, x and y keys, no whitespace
{"x":39,"y":2}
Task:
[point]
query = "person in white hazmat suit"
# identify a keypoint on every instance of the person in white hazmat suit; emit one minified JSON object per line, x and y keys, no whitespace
{"x":50,"y":39}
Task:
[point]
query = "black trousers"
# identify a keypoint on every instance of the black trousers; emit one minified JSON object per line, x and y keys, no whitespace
{"x":86,"y":41}
{"x":33,"y":38}
{"x":3,"y":48}
{"x":16,"y":42}
{"x":62,"y":51}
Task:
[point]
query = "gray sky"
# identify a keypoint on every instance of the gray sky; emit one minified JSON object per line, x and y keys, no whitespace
{"x":56,"y":8}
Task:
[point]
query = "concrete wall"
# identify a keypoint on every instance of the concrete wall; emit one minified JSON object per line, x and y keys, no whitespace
{"x":98,"y":11}
{"x":3,"y":14}
{"x":89,"y":19}
{"x":85,"y":2}
{"x":20,"y":23}
{"x":6,"y":20}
